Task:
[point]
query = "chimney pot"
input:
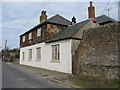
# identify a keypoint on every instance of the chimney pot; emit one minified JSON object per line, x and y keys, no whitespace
{"x":42,"y":12}
{"x":90,"y":3}
{"x":73,"y":20}
{"x":45,"y":13}
{"x":43,"y":16}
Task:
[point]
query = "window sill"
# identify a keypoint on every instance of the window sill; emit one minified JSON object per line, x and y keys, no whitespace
{"x":38,"y":36}
{"x":30,"y":60}
{"x":37,"y":60}
{"x":55,"y":61}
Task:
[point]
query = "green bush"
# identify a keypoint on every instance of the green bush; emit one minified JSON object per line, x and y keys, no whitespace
{"x":6,"y":59}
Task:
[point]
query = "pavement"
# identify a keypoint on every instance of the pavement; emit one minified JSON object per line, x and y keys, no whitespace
{"x":56,"y":77}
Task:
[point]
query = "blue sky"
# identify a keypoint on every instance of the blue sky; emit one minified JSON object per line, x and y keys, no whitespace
{"x":19,"y":17}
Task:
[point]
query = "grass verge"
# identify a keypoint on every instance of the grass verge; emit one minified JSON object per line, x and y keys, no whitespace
{"x":93,"y":82}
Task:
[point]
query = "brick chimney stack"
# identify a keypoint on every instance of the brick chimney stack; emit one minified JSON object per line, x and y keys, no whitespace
{"x":91,"y":11}
{"x":43,"y":16}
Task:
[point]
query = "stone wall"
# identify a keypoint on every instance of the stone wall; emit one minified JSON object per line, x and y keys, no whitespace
{"x":97,"y":54}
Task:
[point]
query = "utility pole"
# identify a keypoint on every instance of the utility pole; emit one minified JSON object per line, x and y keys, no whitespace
{"x":5,"y":44}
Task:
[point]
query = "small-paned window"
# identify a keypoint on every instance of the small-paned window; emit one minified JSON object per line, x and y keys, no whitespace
{"x":38,"y":53}
{"x":38,"y":32}
{"x":30,"y":54}
{"x":23,"y":56}
{"x":55,"y":52}
{"x":23,"y":38}
{"x":30,"y":36}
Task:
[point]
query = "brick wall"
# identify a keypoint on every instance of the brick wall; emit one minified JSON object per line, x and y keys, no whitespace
{"x":53,"y":29}
{"x":47,"y":31}
{"x":97,"y":54}
{"x":34,"y":39}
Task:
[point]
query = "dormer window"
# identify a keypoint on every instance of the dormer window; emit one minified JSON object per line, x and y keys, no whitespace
{"x":30,"y":36}
{"x":38,"y":32}
{"x":23,"y":39}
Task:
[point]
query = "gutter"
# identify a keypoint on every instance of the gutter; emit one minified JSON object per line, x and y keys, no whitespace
{"x":49,"y":41}
{"x":39,"y":25}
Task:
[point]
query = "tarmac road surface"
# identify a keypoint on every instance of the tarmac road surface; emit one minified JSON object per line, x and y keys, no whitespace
{"x":17,"y":78}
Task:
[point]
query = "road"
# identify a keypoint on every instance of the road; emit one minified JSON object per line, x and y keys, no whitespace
{"x":17,"y":78}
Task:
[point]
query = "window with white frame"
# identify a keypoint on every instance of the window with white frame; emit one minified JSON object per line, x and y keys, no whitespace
{"x":38,"y":53}
{"x":30,"y":36}
{"x":30,"y":54}
{"x":23,"y":39}
{"x":23,"y":56}
{"x":55,"y":52}
{"x":38,"y":32}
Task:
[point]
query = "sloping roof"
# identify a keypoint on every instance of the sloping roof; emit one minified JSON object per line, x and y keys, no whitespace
{"x":68,"y":32}
{"x":103,"y":18}
{"x":57,"y":19}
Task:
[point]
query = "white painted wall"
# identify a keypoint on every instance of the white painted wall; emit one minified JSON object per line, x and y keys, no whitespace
{"x":64,"y":64}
